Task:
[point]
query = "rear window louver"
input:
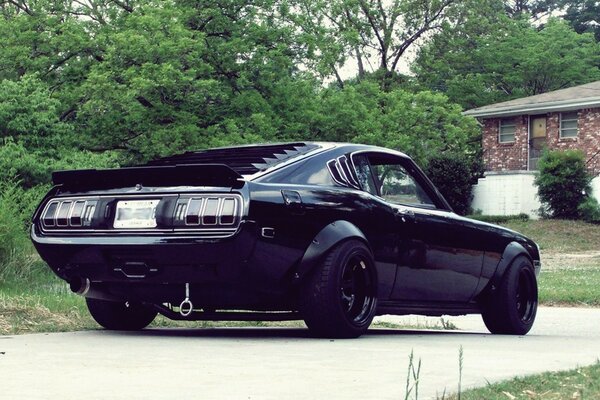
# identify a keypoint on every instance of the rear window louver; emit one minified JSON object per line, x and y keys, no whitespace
{"x":342,"y":173}
{"x":245,"y":160}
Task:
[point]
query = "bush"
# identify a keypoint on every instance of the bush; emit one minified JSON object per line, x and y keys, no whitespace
{"x":500,"y":219}
{"x":454,"y":175}
{"x":14,"y":242}
{"x":563,"y":184}
{"x":589,"y":210}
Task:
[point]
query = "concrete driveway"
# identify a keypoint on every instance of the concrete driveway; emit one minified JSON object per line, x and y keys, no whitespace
{"x":279,"y":363}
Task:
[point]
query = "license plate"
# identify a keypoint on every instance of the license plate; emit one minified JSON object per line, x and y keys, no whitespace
{"x":136,"y":214}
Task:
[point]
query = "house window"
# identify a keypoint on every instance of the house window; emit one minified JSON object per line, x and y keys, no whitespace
{"x":507,"y":130}
{"x":568,"y":124}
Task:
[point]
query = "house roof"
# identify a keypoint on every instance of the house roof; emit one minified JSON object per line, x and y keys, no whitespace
{"x":573,"y":98}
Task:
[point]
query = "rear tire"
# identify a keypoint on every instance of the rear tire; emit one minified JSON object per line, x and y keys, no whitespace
{"x":120,"y":315}
{"x":339,"y":298}
{"x":512,"y":308}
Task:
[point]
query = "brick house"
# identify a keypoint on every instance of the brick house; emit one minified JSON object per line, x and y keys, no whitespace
{"x":515,"y":132}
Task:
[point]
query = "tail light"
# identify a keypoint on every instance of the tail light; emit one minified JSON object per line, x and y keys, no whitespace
{"x":208,"y":214}
{"x":209,"y":211}
{"x":69,"y":213}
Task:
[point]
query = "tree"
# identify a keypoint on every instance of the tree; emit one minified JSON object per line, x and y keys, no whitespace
{"x":533,"y":8}
{"x":497,"y":61}
{"x":583,"y":15}
{"x":421,"y":124}
{"x":149,"y":77}
{"x":374,"y":34}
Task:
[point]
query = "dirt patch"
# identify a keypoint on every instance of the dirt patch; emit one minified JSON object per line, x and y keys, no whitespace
{"x":575,"y":260}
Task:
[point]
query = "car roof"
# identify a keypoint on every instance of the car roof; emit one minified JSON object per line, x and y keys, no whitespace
{"x":254,"y":160}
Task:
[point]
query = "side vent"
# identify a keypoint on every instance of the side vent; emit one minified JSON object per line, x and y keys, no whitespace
{"x":342,"y":173}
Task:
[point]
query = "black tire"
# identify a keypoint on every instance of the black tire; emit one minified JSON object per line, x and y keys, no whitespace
{"x":339,"y":298}
{"x":512,"y":307}
{"x":120,"y":316}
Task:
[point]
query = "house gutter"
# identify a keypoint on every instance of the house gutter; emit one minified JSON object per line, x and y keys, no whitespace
{"x":507,"y":111}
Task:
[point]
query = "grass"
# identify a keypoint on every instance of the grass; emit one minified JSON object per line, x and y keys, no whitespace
{"x":577,"y":384}
{"x":579,"y":287}
{"x":559,"y":235}
{"x":570,"y":260}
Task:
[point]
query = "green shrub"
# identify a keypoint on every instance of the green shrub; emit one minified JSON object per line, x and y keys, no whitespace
{"x":589,"y":210}
{"x":563,"y":183}
{"x":500,"y":219}
{"x":14,"y":242}
{"x":454,"y":175}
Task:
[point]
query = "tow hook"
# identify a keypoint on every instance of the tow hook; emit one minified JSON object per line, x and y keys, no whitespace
{"x":186,"y":307}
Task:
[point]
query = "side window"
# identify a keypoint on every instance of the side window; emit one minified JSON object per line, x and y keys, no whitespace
{"x":364,"y":174}
{"x":397,"y":186}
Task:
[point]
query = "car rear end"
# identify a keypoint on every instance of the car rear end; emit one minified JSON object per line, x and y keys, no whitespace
{"x":143,"y":233}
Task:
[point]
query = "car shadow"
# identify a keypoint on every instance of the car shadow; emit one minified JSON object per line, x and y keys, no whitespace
{"x":278,"y":333}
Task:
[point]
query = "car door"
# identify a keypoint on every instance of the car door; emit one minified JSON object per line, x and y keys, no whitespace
{"x":439,"y":257}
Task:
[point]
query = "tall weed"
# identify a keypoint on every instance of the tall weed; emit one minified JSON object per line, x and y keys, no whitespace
{"x":17,"y":258}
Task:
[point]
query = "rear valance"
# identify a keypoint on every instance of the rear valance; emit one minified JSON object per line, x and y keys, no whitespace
{"x":174,"y":175}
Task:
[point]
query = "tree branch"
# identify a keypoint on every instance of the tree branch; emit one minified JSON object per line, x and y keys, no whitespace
{"x":124,"y":5}
{"x":21,"y":5}
{"x":382,"y":43}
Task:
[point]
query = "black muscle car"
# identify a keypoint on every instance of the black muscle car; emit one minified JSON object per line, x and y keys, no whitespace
{"x":330,"y":233}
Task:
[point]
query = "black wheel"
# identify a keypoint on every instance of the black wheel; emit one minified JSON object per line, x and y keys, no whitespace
{"x":121,"y":316}
{"x":339,"y":298}
{"x":511,"y":309}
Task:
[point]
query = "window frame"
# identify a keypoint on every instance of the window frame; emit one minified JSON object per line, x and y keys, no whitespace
{"x":561,"y":128}
{"x":439,"y":203}
{"x":513,"y":123}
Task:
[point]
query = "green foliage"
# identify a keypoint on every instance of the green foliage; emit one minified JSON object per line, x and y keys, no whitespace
{"x":150,"y":78}
{"x":418,"y":124}
{"x":14,"y":242}
{"x":454,"y":175}
{"x":494,"y":58}
{"x":589,"y":209}
{"x":563,"y":183}
{"x":29,"y":113}
{"x":375,"y":35}
{"x":500,"y":219}
{"x":583,"y":15}
{"x":34,"y":167}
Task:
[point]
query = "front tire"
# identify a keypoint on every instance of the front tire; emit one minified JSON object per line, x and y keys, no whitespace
{"x":512,"y":308}
{"x":339,"y":298}
{"x":120,"y":315}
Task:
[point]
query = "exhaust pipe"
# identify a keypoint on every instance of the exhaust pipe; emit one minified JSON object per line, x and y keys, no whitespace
{"x":83,"y":287}
{"x":80,"y":286}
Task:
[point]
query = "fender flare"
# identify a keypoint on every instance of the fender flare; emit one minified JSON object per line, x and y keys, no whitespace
{"x":324,"y":241}
{"x":512,"y":251}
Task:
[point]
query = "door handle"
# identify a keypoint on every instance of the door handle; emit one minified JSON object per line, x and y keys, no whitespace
{"x":405,"y":214}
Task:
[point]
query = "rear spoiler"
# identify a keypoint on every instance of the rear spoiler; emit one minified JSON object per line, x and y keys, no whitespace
{"x":173,"y":175}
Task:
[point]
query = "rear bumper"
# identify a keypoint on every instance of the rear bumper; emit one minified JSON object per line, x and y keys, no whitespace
{"x":243,"y":260}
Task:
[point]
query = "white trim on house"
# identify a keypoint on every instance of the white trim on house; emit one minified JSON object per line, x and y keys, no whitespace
{"x":541,"y":108}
